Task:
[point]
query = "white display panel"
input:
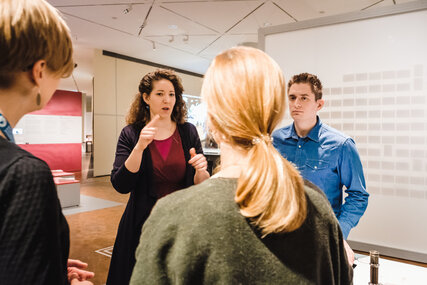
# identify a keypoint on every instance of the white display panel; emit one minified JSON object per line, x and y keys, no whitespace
{"x":374,"y":73}
{"x":48,"y":129}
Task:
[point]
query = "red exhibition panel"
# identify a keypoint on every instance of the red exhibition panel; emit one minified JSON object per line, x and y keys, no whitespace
{"x":67,"y":156}
{"x":63,"y":103}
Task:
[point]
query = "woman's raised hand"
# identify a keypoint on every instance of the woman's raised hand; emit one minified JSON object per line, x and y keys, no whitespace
{"x":147,"y":134}
{"x":200,"y":164}
{"x":198,"y":161}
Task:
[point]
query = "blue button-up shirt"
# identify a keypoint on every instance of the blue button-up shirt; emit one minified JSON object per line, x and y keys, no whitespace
{"x":330,"y":160}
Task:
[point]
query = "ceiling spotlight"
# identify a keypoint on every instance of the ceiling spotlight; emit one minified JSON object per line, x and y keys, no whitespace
{"x":128,"y":9}
{"x":172,"y":27}
{"x":185,"y":38}
{"x":172,"y":38}
{"x":154,"y":46}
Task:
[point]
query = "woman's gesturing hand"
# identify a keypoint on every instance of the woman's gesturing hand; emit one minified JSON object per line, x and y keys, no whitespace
{"x":147,"y":134}
{"x":200,"y":164}
{"x":198,"y":161}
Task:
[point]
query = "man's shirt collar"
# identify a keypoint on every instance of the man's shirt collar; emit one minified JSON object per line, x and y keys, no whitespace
{"x":314,"y":134}
{"x":287,"y":132}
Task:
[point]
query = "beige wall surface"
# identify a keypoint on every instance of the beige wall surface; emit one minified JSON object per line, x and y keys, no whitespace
{"x":115,"y":86}
{"x":104,"y":84}
{"x":104,"y":143}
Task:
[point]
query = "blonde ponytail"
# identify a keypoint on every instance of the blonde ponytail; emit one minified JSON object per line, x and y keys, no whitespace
{"x":244,"y":90}
{"x":271,"y":191}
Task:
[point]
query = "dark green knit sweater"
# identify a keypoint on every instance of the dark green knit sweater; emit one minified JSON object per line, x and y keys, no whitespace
{"x":198,"y":236}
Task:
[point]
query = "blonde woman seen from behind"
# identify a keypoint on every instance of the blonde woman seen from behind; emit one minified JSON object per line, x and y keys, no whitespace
{"x":255,"y":221}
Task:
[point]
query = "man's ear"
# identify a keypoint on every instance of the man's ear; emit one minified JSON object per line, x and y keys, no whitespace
{"x":38,"y":70}
{"x":320,"y":104}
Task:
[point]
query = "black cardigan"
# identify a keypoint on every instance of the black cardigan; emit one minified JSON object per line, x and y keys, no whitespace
{"x":34,"y":235}
{"x":142,"y":195}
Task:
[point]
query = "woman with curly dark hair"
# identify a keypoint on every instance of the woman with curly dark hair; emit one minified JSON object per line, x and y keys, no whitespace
{"x":157,"y":153}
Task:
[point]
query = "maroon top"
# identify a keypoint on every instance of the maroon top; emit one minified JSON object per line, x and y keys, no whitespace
{"x":168,"y":164}
{"x":163,"y":146}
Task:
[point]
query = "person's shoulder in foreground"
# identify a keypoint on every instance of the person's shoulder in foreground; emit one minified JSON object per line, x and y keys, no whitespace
{"x":200,"y":203}
{"x":198,"y":236}
{"x":28,"y":199}
{"x":15,"y":157}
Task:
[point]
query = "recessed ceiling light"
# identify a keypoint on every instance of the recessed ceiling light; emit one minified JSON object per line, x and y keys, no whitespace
{"x":173,"y":27}
{"x":114,"y":18}
{"x":267,"y":24}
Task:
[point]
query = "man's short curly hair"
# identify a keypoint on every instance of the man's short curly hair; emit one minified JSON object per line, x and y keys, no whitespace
{"x":311,"y":79}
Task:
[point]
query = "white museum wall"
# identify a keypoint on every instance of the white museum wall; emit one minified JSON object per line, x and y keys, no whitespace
{"x":374,"y":73}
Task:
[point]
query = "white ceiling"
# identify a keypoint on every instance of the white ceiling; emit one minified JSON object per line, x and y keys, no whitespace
{"x":187,"y":34}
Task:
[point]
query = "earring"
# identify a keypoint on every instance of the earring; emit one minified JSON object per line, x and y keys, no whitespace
{"x":38,"y":99}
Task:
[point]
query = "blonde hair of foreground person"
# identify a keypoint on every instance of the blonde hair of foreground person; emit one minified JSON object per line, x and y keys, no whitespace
{"x":244,"y":90}
{"x":32,"y":30}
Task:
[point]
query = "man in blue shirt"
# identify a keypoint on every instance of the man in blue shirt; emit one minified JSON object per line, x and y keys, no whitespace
{"x":322,"y":154}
